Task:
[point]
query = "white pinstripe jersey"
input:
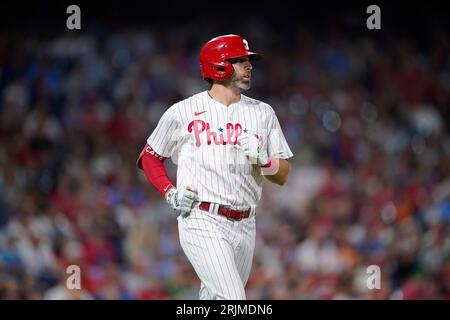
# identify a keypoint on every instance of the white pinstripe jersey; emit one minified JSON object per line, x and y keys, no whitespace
{"x":199,"y":134}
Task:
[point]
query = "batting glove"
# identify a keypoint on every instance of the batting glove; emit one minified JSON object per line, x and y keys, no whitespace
{"x":252,"y":146}
{"x":182,"y":200}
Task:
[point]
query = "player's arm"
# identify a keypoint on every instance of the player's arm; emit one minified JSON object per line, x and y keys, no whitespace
{"x":277,"y":171}
{"x":278,"y":151}
{"x":160,"y":145}
{"x":153,"y":166}
{"x":274,"y":168}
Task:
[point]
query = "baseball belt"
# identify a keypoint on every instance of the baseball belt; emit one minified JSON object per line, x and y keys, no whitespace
{"x":227,"y":212}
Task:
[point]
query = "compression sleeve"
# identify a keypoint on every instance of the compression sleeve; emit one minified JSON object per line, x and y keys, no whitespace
{"x":154,"y":169}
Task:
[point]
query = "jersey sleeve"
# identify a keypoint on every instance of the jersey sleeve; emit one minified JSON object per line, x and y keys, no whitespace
{"x":163,"y":140}
{"x":277,"y":145}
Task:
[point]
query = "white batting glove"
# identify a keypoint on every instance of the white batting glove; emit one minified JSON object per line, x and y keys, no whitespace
{"x":182,"y":200}
{"x":252,"y":146}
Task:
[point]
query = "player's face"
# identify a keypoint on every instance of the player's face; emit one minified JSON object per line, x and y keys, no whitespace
{"x":242,"y":75}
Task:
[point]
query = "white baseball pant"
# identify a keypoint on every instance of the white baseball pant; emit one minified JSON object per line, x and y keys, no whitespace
{"x":220,"y":250}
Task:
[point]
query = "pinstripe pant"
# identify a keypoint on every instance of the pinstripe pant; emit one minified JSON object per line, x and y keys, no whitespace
{"x":220,"y":250}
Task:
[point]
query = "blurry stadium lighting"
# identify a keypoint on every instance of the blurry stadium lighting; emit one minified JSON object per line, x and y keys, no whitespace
{"x":331,"y":121}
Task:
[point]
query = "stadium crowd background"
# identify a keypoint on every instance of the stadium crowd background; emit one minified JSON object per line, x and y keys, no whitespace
{"x":367,"y":118}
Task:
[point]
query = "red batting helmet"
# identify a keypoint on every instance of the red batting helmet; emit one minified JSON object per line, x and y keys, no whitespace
{"x":216,"y":52}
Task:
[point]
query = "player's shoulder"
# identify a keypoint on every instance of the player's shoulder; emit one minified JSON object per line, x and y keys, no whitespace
{"x":261,"y":106}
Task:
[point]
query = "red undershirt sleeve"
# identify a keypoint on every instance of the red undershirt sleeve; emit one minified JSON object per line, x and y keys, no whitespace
{"x":154,"y":169}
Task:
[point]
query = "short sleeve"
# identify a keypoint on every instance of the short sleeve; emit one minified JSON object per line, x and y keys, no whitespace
{"x":163,"y":140}
{"x":276,"y":142}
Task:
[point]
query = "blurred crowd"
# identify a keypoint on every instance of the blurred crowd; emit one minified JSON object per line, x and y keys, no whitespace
{"x":368,"y":121}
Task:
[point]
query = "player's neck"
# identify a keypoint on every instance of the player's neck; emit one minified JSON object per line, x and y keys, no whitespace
{"x":224,"y":95}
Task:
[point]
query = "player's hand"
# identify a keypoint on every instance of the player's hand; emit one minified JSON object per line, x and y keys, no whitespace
{"x":182,"y":200}
{"x":252,"y":146}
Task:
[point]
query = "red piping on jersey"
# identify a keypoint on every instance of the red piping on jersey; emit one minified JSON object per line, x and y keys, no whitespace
{"x":154,"y":169}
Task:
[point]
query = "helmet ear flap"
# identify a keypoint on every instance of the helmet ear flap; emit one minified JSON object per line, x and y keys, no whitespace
{"x":222,"y":71}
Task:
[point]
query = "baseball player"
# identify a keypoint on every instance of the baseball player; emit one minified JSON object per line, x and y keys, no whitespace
{"x":225,"y":143}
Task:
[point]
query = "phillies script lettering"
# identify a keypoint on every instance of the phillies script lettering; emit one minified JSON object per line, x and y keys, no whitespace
{"x":199,"y":127}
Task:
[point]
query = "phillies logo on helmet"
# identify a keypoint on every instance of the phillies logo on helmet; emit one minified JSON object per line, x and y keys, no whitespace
{"x":245,"y":44}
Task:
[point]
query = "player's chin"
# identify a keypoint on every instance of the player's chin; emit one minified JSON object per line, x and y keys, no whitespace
{"x":244,"y":84}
